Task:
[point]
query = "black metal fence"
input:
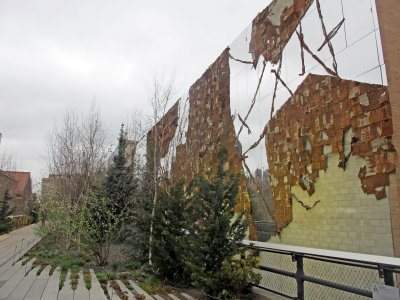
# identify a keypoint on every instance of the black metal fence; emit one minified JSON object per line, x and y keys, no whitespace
{"x":308,"y":273}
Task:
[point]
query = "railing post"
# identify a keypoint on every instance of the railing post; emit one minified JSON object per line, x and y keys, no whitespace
{"x":15,"y":252}
{"x":388,"y":277}
{"x":299,"y":277}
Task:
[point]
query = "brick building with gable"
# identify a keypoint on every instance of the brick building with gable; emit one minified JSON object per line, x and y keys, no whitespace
{"x":19,"y":186}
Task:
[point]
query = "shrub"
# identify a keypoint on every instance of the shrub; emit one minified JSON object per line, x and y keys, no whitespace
{"x":124,"y":275}
{"x":65,"y":267}
{"x":5,"y":223}
{"x":132,"y":265}
{"x":102,"y":277}
{"x":197,"y":234}
{"x":115,"y":266}
{"x":111,"y":275}
{"x":169,"y":233}
{"x":99,"y":228}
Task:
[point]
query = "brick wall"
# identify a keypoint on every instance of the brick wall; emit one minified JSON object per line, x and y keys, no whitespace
{"x":345,"y":219}
{"x":24,"y":200}
{"x":389,"y":23}
{"x":313,"y":123}
{"x":210,"y":126}
{"x":7,"y":183}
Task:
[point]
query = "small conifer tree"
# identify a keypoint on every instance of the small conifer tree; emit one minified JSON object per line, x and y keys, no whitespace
{"x":170,"y":233}
{"x":5,"y":211}
{"x":215,"y":236}
{"x":120,"y":184}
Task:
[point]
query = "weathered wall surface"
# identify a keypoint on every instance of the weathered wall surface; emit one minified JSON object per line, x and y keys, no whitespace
{"x":389,"y":23}
{"x":209,"y":128}
{"x":330,"y":148}
{"x":345,"y":219}
{"x":7,"y":183}
{"x":19,"y":185}
{"x":273,"y":27}
{"x":313,"y":124}
{"x":162,"y":133}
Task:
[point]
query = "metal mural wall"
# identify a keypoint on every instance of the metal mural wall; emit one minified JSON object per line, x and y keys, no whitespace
{"x":260,"y":100}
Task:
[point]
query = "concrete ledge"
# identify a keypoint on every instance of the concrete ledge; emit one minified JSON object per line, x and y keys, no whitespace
{"x":4,"y":236}
{"x":260,"y":294}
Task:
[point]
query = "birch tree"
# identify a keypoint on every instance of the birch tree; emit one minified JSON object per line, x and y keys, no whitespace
{"x":161,"y":94}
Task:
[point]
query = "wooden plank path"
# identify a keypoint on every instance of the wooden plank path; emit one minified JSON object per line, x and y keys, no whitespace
{"x":19,"y":281}
{"x":81,"y":292}
{"x":37,"y":288}
{"x":14,"y":280}
{"x":50,"y":292}
{"x":17,"y":243}
{"x":23,"y":286}
{"x":96,"y":292}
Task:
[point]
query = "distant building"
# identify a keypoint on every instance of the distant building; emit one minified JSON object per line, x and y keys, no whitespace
{"x":19,"y":185}
{"x":7,"y":182}
{"x":130,"y":153}
{"x":49,"y":186}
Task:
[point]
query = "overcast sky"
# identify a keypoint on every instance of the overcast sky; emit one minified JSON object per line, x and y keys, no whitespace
{"x":57,"y":55}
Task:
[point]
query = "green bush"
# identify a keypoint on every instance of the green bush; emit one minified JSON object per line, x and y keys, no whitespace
{"x":169,"y":233}
{"x":75,"y":269}
{"x":132,"y":265}
{"x":5,"y":223}
{"x":124,"y":275}
{"x":65,"y":267}
{"x":115,"y":266}
{"x":102,"y":277}
{"x":80,"y":262}
{"x":111,"y":275}
{"x":100,"y":227}
{"x":196,"y":235}
{"x":5,"y":228}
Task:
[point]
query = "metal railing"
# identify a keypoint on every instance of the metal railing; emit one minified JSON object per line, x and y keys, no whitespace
{"x":309,"y":273}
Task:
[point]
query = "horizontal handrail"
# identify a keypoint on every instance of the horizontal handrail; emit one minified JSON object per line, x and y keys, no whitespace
{"x":348,"y":256}
{"x":384,"y":265}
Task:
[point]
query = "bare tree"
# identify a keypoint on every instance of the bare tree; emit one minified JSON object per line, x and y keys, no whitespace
{"x":77,"y":155}
{"x":160,"y":97}
{"x":7,"y":161}
{"x":136,"y":130}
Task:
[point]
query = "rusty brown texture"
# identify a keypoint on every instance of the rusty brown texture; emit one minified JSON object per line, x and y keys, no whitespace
{"x":165,"y":130}
{"x":273,"y":27}
{"x":210,"y":127}
{"x":322,"y":109}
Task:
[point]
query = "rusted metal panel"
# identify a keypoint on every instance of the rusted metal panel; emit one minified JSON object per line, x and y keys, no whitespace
{"x":273,"y":27}
{"x":305,"y":118}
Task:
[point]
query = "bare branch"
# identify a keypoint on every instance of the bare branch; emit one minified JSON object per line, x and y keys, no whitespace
{"x":239,"y":60}
{"x":244,"y":124}
{"x":254,"y":98}
{"x":303,"y":66}
{"x":275,"y":87}
{"x":259,"y":190}
{"x":281,"y":81}
{"x":334,"y":63}
{"x":304,"y":45}
{"x":331,"y":34}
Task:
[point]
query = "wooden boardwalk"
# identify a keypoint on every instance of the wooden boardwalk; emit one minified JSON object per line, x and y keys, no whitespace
{"x":22,"y":282}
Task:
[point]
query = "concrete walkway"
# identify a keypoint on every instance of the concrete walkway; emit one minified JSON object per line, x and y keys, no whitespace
{"x":22,"y":282}
{"x":18,"y":282}
{"x":25,"y":284}
{"x":16,"y":243}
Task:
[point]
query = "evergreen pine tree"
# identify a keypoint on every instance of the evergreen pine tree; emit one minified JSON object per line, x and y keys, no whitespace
{"x":170,"y":233}
{"x":120,"y":184}
{"x":5,"y":211}
{"x":215,"y":236}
